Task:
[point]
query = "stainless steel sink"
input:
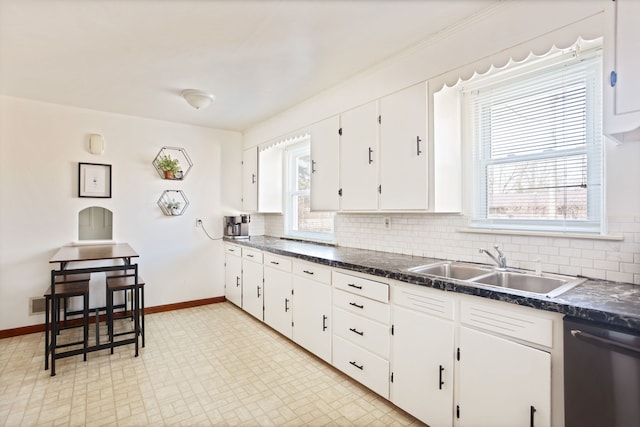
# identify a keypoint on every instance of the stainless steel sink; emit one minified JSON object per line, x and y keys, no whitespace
{"x":452,"y":270}
{"x":549,"y":285}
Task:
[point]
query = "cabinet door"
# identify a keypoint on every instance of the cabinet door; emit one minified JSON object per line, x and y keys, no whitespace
{"x":252,"y":289}
{"x":627,"y":60}
{"x":233,"y":279}
{"x":621,"y":97}
{"x":278,"y":300}
{"x":404,"y":149}
{"x":325,"y":160}
{"x":423,"y":348}
{"x":359,"y":158}
{"x":250,"y":179}
{"x":502,"y":383}
{"x":312,"y":316}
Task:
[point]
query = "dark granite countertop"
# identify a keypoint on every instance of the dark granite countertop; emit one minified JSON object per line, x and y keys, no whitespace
{"x":614,"y":304}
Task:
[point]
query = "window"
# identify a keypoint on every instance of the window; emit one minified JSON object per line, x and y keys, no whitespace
{"x":537,"y":141}
{"x":299,"y":220}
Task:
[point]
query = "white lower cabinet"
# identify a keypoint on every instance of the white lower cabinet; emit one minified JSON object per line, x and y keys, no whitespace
{"x":362,"y":365}
{"x":278,"y":290}
{"x":502,"y":383}
{"x":252,"y":283}
{"x":233,"y":274}
{"x":445,"y":358}
{"x":312,"y":311}
{"x":361,"y":330}
{"x":423,"y":362}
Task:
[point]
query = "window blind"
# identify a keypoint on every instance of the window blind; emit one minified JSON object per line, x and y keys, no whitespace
{"x":538,"y":145}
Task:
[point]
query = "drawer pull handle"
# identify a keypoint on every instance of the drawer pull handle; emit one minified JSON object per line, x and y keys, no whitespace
{"x":356,"y":305}
{"x":355,"y":331}
{"x":441,"y":383}
{"x":353,"y":285}
{"x":324,"y":323}
{"x":237,"y":281}
{"x":308,"y":272}
{"x":249,"y":256}
{"x":361,"y":367}
{"x":286,"y":305}
{"x":275,"y":262}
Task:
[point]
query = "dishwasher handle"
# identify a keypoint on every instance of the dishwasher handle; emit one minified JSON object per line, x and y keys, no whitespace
{"x":607,"y":343}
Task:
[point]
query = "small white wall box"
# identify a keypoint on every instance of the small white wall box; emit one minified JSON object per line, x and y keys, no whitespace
{"x":96,"y":143}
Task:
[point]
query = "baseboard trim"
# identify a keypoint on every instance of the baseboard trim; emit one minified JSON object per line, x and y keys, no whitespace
{"x":25,"y":330}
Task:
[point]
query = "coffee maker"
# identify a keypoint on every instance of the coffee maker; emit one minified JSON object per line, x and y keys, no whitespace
{"x":237,"y":227}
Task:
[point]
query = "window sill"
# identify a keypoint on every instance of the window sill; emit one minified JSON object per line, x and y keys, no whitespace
{"x":612,"y":237}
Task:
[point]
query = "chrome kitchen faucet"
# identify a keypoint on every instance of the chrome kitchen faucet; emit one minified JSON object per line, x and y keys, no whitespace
{"x":501,"y":260}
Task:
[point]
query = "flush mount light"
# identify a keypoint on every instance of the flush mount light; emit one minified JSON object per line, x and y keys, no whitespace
{"x":197,"y":98}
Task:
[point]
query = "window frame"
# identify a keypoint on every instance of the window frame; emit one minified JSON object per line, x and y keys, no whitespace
{"x":593,"y":150}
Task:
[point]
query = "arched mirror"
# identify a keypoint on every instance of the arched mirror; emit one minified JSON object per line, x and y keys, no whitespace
{"x":95,"y":223}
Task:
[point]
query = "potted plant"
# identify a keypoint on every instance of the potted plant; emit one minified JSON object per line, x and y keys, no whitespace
{"x":169,"y":166}
{"x":174,"y":207}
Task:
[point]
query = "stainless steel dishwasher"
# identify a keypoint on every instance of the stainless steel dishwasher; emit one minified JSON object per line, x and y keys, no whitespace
{"x":601,"y":375}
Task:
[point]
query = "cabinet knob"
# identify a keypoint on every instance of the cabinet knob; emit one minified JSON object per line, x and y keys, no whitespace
{"x":613,"y":78}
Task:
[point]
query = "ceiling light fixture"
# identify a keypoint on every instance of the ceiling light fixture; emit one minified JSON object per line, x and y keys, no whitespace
{"x":197,"y":98}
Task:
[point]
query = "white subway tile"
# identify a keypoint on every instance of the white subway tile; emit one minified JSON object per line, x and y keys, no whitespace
{"x":619,"y":277}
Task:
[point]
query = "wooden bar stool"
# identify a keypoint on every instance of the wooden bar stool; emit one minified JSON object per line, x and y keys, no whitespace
{"x":125,"y":283}
{"x":67,"y":286}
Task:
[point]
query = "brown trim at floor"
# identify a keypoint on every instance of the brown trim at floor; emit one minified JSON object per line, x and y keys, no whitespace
{"x":8,"y":333}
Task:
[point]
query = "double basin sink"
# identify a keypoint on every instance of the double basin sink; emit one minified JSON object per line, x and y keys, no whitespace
{"x":544,"y":284}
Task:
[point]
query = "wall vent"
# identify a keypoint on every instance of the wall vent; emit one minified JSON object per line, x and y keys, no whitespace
{"x":36,"y":305}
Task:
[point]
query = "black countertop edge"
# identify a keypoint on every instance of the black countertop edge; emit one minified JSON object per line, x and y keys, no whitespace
{"x":611,"y":304}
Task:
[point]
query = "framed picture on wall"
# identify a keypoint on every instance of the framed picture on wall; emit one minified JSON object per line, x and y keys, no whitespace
{"x":94,"y":180}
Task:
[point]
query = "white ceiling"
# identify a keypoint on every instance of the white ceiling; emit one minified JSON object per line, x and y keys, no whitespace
{"x":258,"y":57}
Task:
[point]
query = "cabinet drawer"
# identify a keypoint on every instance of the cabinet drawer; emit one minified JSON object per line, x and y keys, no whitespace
{"x":233,"y":250}
{"x":513,"y":322}
{"x":312,"y":271}
{"x":366,"y":333}
{"x":362,"y":365}
{"x":252,"y":255}
{"x":278,"y":262}
{"x":360,"y":286}
{"x":360,"y":305}
{"x":422,"y":299}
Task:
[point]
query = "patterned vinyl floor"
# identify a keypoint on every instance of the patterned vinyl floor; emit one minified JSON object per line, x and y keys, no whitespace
{"x":209,"y":365}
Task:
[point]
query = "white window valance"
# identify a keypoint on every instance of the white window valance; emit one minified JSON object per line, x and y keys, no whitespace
{"x":284,"y":142}
{"x":581,"y":35}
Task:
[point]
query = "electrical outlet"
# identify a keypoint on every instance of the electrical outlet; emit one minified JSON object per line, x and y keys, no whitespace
{"x":387,"y":223}
{"x":198,"y":222}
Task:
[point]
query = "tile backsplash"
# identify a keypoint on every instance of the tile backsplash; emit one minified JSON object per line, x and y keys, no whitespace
{"x":440,"y":236}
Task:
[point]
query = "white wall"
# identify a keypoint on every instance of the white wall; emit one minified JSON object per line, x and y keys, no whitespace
{"x":40,"y":147}
{"x":501,"y":30}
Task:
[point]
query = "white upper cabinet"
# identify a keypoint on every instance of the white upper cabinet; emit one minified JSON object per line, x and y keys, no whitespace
{"x":325,"y":160}
{"x":359,"y":158}
{"x":622,"y":71}
{"x":404,"y":150}
{"x":250,"y":180}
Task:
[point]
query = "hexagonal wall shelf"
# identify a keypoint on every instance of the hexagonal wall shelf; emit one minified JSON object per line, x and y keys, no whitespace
{"x":173,"y":202}
{"x":180,"y":155}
